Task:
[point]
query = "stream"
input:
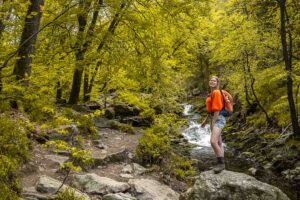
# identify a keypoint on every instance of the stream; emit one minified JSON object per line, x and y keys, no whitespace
{"x":202,"y":151}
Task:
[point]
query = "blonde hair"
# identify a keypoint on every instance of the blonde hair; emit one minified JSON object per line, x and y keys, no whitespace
{"x":218,"y":80}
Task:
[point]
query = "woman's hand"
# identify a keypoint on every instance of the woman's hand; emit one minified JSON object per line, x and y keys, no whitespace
{"x":202,"y":125}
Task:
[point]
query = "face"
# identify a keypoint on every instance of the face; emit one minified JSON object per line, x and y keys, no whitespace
{"x":213,"y":82}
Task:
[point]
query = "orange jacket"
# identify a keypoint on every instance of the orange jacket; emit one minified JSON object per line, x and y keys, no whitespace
{"x":214,"y":102}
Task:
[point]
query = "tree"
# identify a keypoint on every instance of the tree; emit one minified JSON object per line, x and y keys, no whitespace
{"x":28,"y":39}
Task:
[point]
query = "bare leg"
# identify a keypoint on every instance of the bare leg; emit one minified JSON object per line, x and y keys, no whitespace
{"x":216,"y":141}
{"x":220,"y":143}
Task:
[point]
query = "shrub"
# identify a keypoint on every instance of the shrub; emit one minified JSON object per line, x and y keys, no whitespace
{"x":14,"y":147}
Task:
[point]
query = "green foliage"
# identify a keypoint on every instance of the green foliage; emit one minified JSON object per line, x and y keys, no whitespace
{"x":14,"y":147}
{"x":78,"y":157}
{"x":83,"y":121}
{"x":179,"y":167}
{"x":155,"y":147}
{"x":68,"y":194}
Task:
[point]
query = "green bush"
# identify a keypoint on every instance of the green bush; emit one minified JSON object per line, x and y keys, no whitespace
{"x":84,"y":122}
{"x":155,"y":147}
{"x":14,"y":146}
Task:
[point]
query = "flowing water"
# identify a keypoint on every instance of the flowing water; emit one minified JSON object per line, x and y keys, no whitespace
{"x":200,"y":138}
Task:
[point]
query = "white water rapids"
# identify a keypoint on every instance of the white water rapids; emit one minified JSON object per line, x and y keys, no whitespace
{"x":194,"y":133}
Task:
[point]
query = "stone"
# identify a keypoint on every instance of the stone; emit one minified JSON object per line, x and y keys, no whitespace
{"x":134,"y":168}
{"x":127,"y":169}
{"x":146,"y":189}
{"x":252,"y":171}
{"x":48,"y":185}
{"x":110,"y":158}
{"x":235,"y":186}
{"x":138,"y":169}
{"x":267,"y":166}
{"x":94,"y":184}
{"x":118,"y":196}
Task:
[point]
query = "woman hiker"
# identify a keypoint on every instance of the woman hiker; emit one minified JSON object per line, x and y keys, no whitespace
{"x":214,"y":106}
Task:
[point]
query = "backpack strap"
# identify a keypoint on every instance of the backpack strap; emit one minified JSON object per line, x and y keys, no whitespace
{"x":222,"y":99}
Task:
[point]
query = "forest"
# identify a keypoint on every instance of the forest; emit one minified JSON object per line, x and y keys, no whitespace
{"x":139,"y":62}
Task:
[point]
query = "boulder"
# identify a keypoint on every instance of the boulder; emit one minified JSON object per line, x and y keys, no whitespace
{"x":94,"y":184}
{"x":48,"y":185}
{"x":235,"y":186}
{"x":147,"y":189}
{"x":124,"y":110}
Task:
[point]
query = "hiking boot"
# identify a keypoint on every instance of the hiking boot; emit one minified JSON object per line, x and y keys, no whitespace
{"x":219,"y":167}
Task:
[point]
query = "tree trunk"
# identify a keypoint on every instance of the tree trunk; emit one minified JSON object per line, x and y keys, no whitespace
{"x":32,"y":23}
{"x":287,"y":57}
{"x":81,"y":48}
{"x":77,"y":76}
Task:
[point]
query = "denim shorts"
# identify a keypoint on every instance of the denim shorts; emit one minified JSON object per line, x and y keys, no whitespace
{"x":220,"y":122}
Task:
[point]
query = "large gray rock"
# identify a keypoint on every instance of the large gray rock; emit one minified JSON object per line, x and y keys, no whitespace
{"x":48,"y":185}
{"x":234,"y":186}
{"x":94,"y":184}
{"x":146,"y":189}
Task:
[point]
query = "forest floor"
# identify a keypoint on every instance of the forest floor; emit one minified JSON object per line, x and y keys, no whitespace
{"x":44,"y":161}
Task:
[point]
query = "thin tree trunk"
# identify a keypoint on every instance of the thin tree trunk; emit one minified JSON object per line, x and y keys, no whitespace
{"x":111,"y":29}
{"x":287,"y":57}
{"x":269,"y":120}
{"x":58,"y":91}
{"x":32,"y":23}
